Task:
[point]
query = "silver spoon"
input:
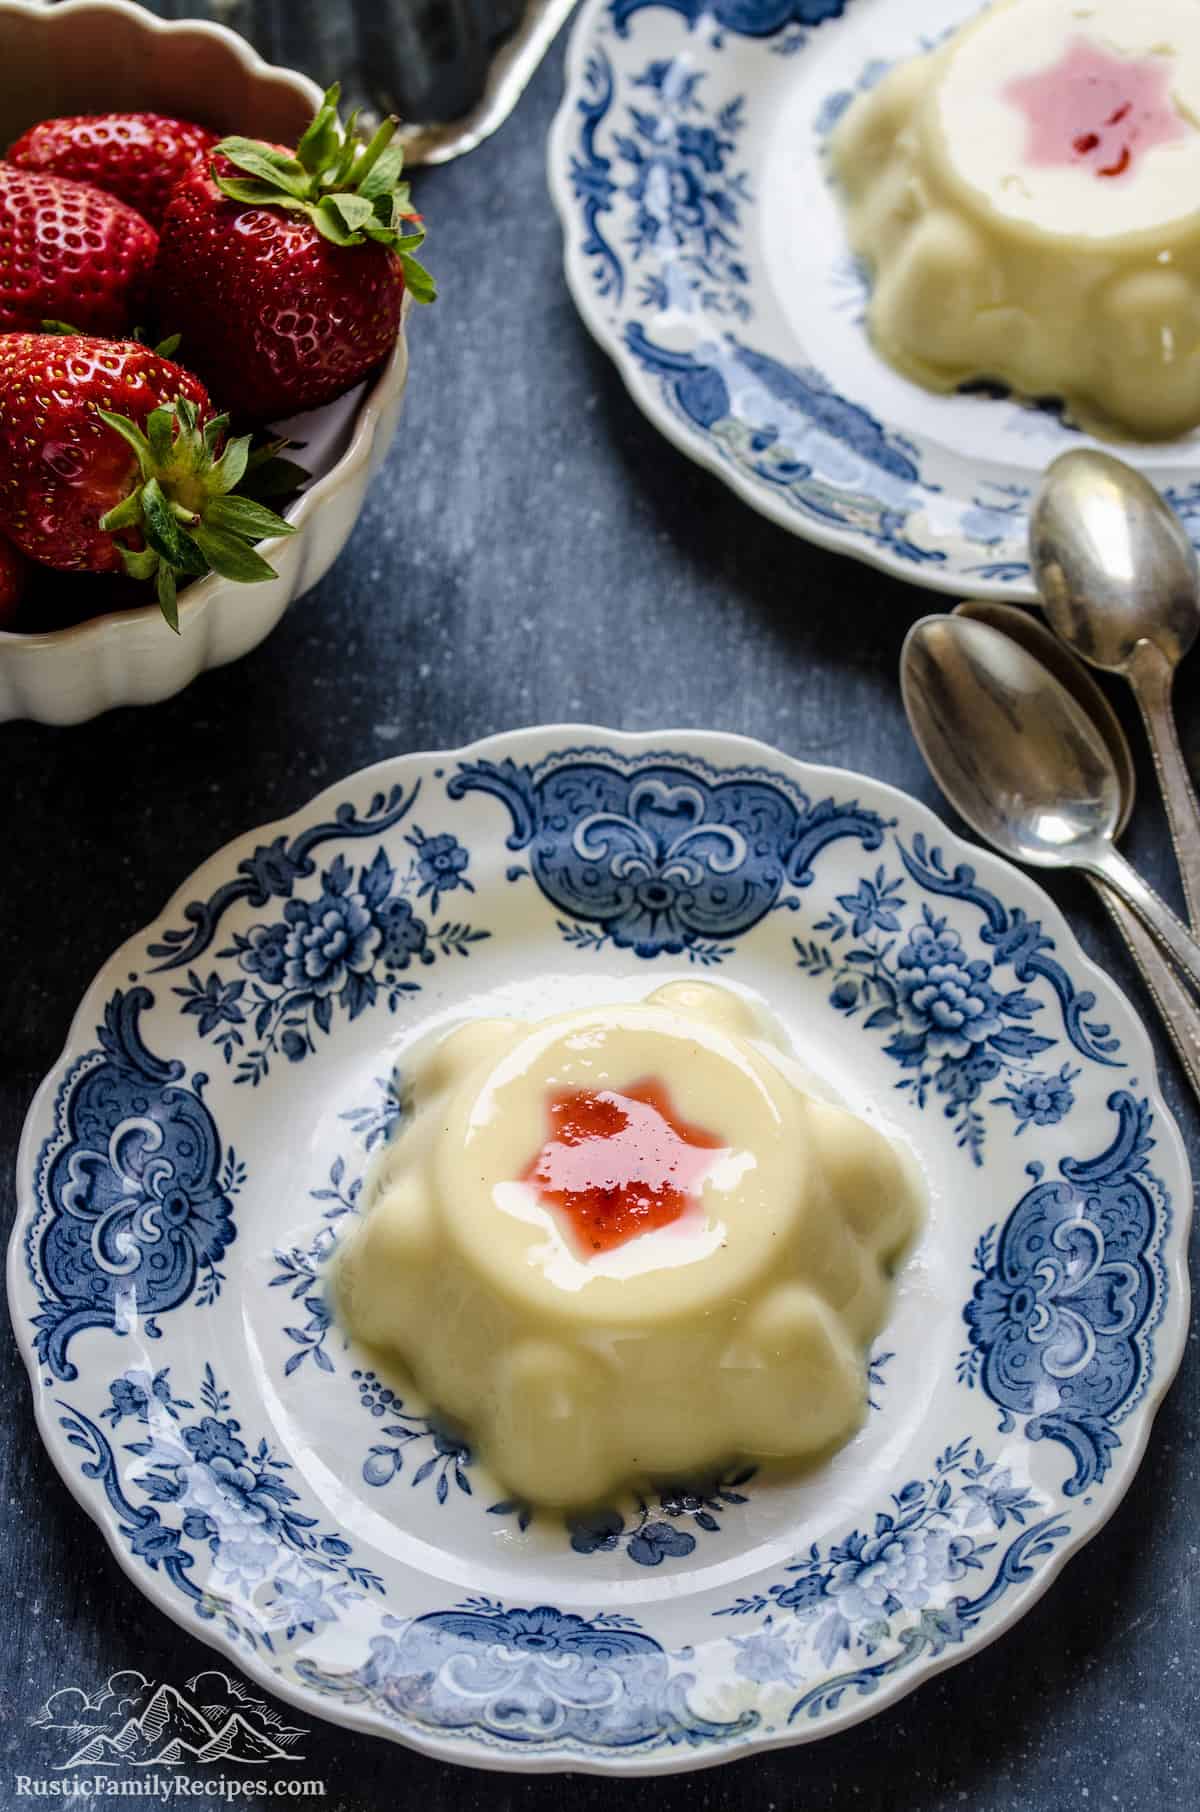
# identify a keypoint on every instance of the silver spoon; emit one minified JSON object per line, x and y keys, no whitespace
{"x":1117,"y":573}
{"x":1023,"y":626}
{"x":1177,"y":1009}
{"x":1023,"y":763}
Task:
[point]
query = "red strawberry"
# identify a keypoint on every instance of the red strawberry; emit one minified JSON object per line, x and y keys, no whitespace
{"x":13,"y":571}
{"x":285,"y":272}
{"x":67,"y":251}
{"x":75,"y":475}
{"x":139,"y":157}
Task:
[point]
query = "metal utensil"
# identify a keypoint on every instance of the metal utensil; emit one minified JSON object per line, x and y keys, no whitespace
{"x":1023,"y":763}
{"x":1118,"y":577}
{"x":1178,"y":1010}
{"x":453,"y":70}
{"x":1024,"y":627}
{"x":509,"y":75}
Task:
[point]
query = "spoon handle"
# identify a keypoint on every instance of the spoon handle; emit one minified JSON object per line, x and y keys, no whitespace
{"x":1154,"y":913}
{"x":1150,"y":675}
{"x":1178,"y":1010}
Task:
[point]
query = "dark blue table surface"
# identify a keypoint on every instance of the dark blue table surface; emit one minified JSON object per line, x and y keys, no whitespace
{"x":533,"y":551}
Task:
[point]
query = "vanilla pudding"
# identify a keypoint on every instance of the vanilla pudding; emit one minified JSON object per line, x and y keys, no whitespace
{"x":629,"y":1241}
{"x":1028,"y":198}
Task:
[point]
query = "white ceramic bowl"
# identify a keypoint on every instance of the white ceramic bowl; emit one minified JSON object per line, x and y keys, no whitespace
{"x":88,"y":55}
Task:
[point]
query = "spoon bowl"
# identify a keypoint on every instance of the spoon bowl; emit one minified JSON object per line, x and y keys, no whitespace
{"x":1118,"y":577}
{"x":1023,"y":762}
{"x":1029,"y":630}
{"x":1177,"y":1008}
{"x":1113,"y":562}
{"x":1018,"y":758}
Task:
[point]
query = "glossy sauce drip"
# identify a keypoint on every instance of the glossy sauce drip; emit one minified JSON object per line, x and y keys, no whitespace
{"x":619,"y":1164}
{"x":1096,"y":109}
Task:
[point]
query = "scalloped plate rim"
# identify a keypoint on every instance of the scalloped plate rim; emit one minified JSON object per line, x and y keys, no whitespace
{"x":738,"y":750}
{"x":927,"y":575}
{"x":696,"y":447}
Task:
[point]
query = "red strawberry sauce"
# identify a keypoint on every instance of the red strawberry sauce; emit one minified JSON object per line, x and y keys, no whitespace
{"x":619,"y":1164}
{"x":1096,"y":109}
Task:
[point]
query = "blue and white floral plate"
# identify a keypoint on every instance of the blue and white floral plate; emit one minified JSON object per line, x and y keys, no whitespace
{"x":706,"y":252}
{"x":200,"y":1147}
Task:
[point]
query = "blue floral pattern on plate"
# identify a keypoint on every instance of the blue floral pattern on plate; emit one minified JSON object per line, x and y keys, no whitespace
{"x":937,"y":1530}
{"x":668,"y":167}
{"x":665,"y":860}
{"x":686,"y":191}
{"x":352,"y":945}
{"x":532,"y":1677}
{"x":950,"y":1021}
{"x":229,"y":1497}
{"x":753,"y":18}
{"x":194,"y":1388}
{"x":1057,"y":1320}
{"x":135,"y":1193}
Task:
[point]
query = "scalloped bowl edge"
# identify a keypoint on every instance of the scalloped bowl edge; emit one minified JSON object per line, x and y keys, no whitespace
{"x":69,"y":675}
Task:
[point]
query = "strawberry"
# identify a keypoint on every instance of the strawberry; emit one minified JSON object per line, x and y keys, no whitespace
{"x":67,"y":250}
{"x":85,"y":488}
{"x":285,"y":272}
{"x":13,"y":572}
{"x":138,"y":157}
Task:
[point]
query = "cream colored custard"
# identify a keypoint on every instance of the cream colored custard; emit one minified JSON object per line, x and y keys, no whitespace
{"x":628,"y":1241}
{"x":1028,"y":198}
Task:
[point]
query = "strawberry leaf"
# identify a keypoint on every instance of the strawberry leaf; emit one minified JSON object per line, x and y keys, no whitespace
{"x":417,"y":280}
{"x":322,"y":140}
{"x":258,"y":194}
{"x":370,"y":156}
{"x":353,"y":141}
{"x":230,"y":557}
{"x":127,"y":514}
{"x":128,"y":432}
{"x":337,"y":174}
{"x":168,"y":599}
{"x":268,"y":449}
{"x":160,"y":424}
{"x":274,"y":478}
{"x":230,"y":469}
{"x":383,"y":178}
{"x":330,"y":225}
{"x":139,"y":563}
{"x":263,"y":161}
{"x":242,"y":516}
{"x":183,"y":507}
{"x":350,"y":192}
{"x":354,"y":211}
{"x":164,"y":534}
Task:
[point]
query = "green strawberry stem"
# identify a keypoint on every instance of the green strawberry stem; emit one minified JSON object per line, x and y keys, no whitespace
{"x":351,"y":191}
{"x":183,"y":507}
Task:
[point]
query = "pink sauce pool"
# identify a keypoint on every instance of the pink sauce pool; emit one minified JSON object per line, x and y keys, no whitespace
{"x":1096,"y":109}
{"x":619,"y":1164}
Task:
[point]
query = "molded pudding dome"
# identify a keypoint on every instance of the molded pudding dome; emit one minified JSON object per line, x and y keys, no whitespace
{"x":1028,"y":197}
{"x":627,"y":1241}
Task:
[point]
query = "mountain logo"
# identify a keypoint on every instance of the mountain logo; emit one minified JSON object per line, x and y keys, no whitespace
{"x":134,"y":1722}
